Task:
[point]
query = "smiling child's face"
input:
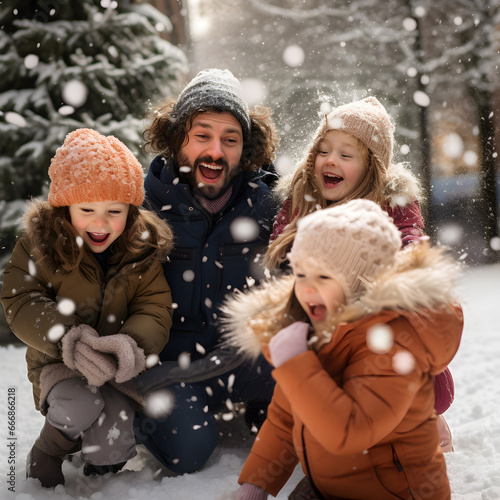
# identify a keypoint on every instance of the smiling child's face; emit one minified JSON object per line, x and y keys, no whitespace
{"x":340,"y":165}
{"x":99,"y":223}
{"x":317,"y":291}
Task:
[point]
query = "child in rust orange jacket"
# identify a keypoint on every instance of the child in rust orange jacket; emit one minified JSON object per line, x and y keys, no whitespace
{"x":355,"y":334}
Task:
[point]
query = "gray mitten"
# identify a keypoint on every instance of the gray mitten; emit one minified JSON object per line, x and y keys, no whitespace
{"x":78,"y":354}
{"x":129,"y":356}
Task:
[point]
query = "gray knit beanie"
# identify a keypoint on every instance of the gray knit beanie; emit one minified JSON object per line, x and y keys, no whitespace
{"x":354,"y":241}
{"x":368,"y":121}
{"x":213,"y":89}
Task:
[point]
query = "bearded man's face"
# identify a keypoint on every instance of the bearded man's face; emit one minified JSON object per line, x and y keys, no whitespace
{"x":210,"y":157}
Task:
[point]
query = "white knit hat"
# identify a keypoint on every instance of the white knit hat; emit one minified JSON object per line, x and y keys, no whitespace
{"x":213,"y":89}
{"x":368,"y":121}
{"x":354,"y":241}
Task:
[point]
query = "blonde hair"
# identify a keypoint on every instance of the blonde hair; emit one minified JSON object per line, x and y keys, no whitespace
{"x":304,"y":195}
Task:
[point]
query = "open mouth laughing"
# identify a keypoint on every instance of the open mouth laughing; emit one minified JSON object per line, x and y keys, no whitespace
{"x":316,"y":311}
{"x":210,"y":172}
{"x":331,"y":180}
{"x":98,"y":238}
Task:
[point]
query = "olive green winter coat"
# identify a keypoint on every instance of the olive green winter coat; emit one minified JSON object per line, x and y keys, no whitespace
{"x":43,"y":301}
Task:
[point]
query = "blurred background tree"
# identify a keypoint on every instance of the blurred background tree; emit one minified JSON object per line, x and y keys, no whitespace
{"x":67,"y":64}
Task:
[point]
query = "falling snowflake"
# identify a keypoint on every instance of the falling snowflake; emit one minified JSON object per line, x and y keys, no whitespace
{"x":403,"y":362}
{"x":453,"y":145}
{"x":31,"y":61}
{"x":244,"y":229}
{"x":56,"y":333}
{"x":253,"y":90}
{"x":188,"y":276}
{"x":31,"y":268}
{"x":293,"y":56}
{"x":230,"y":381}
{"x":184,"y":360}
{"x":66,"y":307}
{"x":450,"y":234}
{"x":495,"y":243}
{"x":421,"y":98}
{"x":15,"y":119}
{"x":409,"y":24}
{"x":75,"y":93}
{"x":152,"y":360}
{"x":284,"y":165}
{"x":379,"y":339}
{"x":159,"y":404}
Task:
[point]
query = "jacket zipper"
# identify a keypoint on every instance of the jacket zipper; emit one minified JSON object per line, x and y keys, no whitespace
{"x":400,"y":468}
{"x":106,"y":279}
{"x":306,"y":463}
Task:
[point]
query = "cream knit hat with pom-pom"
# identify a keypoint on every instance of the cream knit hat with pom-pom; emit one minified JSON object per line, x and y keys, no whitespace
{"x":368,"y":121}
{"x":354,"y":241}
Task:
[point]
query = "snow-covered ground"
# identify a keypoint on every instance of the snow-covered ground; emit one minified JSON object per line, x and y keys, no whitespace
{"x":473,"y":468}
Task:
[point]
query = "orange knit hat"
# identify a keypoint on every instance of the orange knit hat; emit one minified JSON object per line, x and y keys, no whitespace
{"x":91,"y":167}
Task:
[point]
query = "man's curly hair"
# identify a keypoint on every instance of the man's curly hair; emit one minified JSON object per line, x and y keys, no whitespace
{"x":166,"y":135}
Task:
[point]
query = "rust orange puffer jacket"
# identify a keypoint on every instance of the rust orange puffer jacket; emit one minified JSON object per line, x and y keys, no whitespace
{"x":361,"y":423}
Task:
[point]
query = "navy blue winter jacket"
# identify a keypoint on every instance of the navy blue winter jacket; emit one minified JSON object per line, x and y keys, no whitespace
{"x":206,"y":263}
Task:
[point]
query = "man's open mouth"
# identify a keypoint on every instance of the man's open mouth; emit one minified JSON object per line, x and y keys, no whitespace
{"x":210,"y":172}
{"x":98,"y":238}
{"x":332,"y":180}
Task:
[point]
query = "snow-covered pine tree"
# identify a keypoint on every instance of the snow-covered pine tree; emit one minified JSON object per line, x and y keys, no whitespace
{"x":67,"y":64}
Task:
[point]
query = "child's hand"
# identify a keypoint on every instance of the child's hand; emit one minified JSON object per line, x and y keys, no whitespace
{"x":289,"y":342}
{"x":78,"y":354}
{"x":129,"y":356}
{"x":101,"y":359}
{"x":248,"y":491}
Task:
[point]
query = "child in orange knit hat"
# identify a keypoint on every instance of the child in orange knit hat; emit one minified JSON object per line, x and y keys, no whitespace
{"x":86,"y":292}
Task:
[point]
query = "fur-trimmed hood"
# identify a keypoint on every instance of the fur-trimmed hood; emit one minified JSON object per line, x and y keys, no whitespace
{"x":422,"y":281}
{"x":51,"y":248}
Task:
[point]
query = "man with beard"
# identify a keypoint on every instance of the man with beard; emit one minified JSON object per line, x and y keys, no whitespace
{"x":210,"y":184}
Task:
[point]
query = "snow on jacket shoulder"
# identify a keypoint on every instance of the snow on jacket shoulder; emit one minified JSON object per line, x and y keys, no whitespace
{"x":209,"y":260}
{"x":361,"y":423}
{"x":133,"y":298}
